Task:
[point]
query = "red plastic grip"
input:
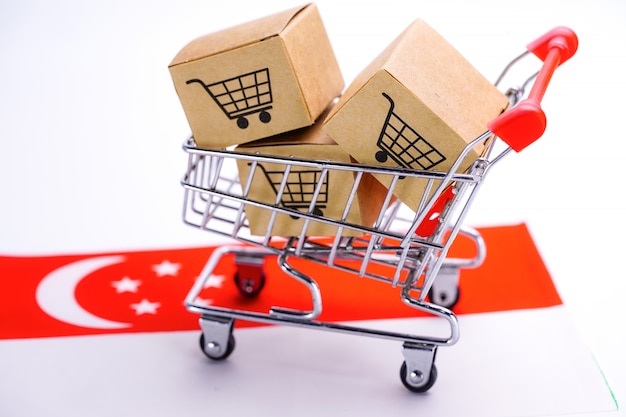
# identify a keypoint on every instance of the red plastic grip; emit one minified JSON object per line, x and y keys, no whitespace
{"x":428,"y":226}
{"x":526,"y":122}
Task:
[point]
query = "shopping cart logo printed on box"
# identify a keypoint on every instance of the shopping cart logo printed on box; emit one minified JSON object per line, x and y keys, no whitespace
{"x":403,"y":144}
{"x":242,"y":96}
{"x":299,"y":188}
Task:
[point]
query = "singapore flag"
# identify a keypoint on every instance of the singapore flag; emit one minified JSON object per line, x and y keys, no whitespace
{"x":107,"y":334}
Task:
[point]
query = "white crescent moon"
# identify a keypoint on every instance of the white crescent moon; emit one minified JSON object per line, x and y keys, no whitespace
{"x":55,"y":293}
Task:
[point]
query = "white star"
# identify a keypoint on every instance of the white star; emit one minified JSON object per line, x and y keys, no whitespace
{"x":126,"y":285}
{"x":214,"y":281}
{"x":166,"y":268}
{"x":145,"y":307}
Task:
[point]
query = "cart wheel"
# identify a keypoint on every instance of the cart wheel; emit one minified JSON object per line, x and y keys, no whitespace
{"x":250,"y":286}
{"x":381,"y":156}
{"x":445,"y":298}
{"x":318,"y":211}
{"x":207,"y":350}
{"x":415,"y":383}
{"x":242,"y":122}
{"x":265,"y":117}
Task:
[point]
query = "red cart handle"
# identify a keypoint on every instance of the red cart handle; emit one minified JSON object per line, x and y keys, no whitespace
{"x":526,"y":122}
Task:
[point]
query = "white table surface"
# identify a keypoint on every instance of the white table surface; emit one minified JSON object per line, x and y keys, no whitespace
{"x":91,"y":131}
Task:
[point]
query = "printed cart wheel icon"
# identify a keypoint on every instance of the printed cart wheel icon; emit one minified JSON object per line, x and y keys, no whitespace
{"x":299,"y":189}
{"x":404,"y":145}
{"x":242,"y":96}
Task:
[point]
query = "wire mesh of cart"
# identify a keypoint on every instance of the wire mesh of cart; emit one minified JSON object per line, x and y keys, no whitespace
{"x":408,"y":250}
{"x":242,"y":96}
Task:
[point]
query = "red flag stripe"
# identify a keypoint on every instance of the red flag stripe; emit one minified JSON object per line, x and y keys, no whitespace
{"x":143,"y":291}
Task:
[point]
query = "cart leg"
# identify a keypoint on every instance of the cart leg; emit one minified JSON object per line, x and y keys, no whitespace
{"x":217,"y":340}
{"x":418,"y":372}
{"x":445,"y":290}
{"x":314,"y":290}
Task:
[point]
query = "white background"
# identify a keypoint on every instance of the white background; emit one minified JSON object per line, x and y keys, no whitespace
{"x":91,"y":130}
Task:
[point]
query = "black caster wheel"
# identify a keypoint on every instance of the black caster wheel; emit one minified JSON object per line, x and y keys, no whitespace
{"x":443,"y":298}
{"x":214,"y":351}
{"x":250,"y":286}
{"x":416,"y":382}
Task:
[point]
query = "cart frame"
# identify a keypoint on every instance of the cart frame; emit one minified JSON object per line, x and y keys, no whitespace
{"x":391,"y":250}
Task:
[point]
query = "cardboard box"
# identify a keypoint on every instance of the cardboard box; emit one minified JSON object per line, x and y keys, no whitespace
{"x":258,"y":79}
{"x":417,"y":105}
{"x":307,"y":143}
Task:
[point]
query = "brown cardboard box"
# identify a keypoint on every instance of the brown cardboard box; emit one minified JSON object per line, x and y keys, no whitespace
{"x":417,"y":105}
{"x":308,"y":143}
{"x":258,"y":79}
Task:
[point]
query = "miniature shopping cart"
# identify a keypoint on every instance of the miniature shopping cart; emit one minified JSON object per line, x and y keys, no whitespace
{"x":406,"y":249}
{"x":299,"y":189}
{"x":405,"y":146}
{"x":242,"y":96}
